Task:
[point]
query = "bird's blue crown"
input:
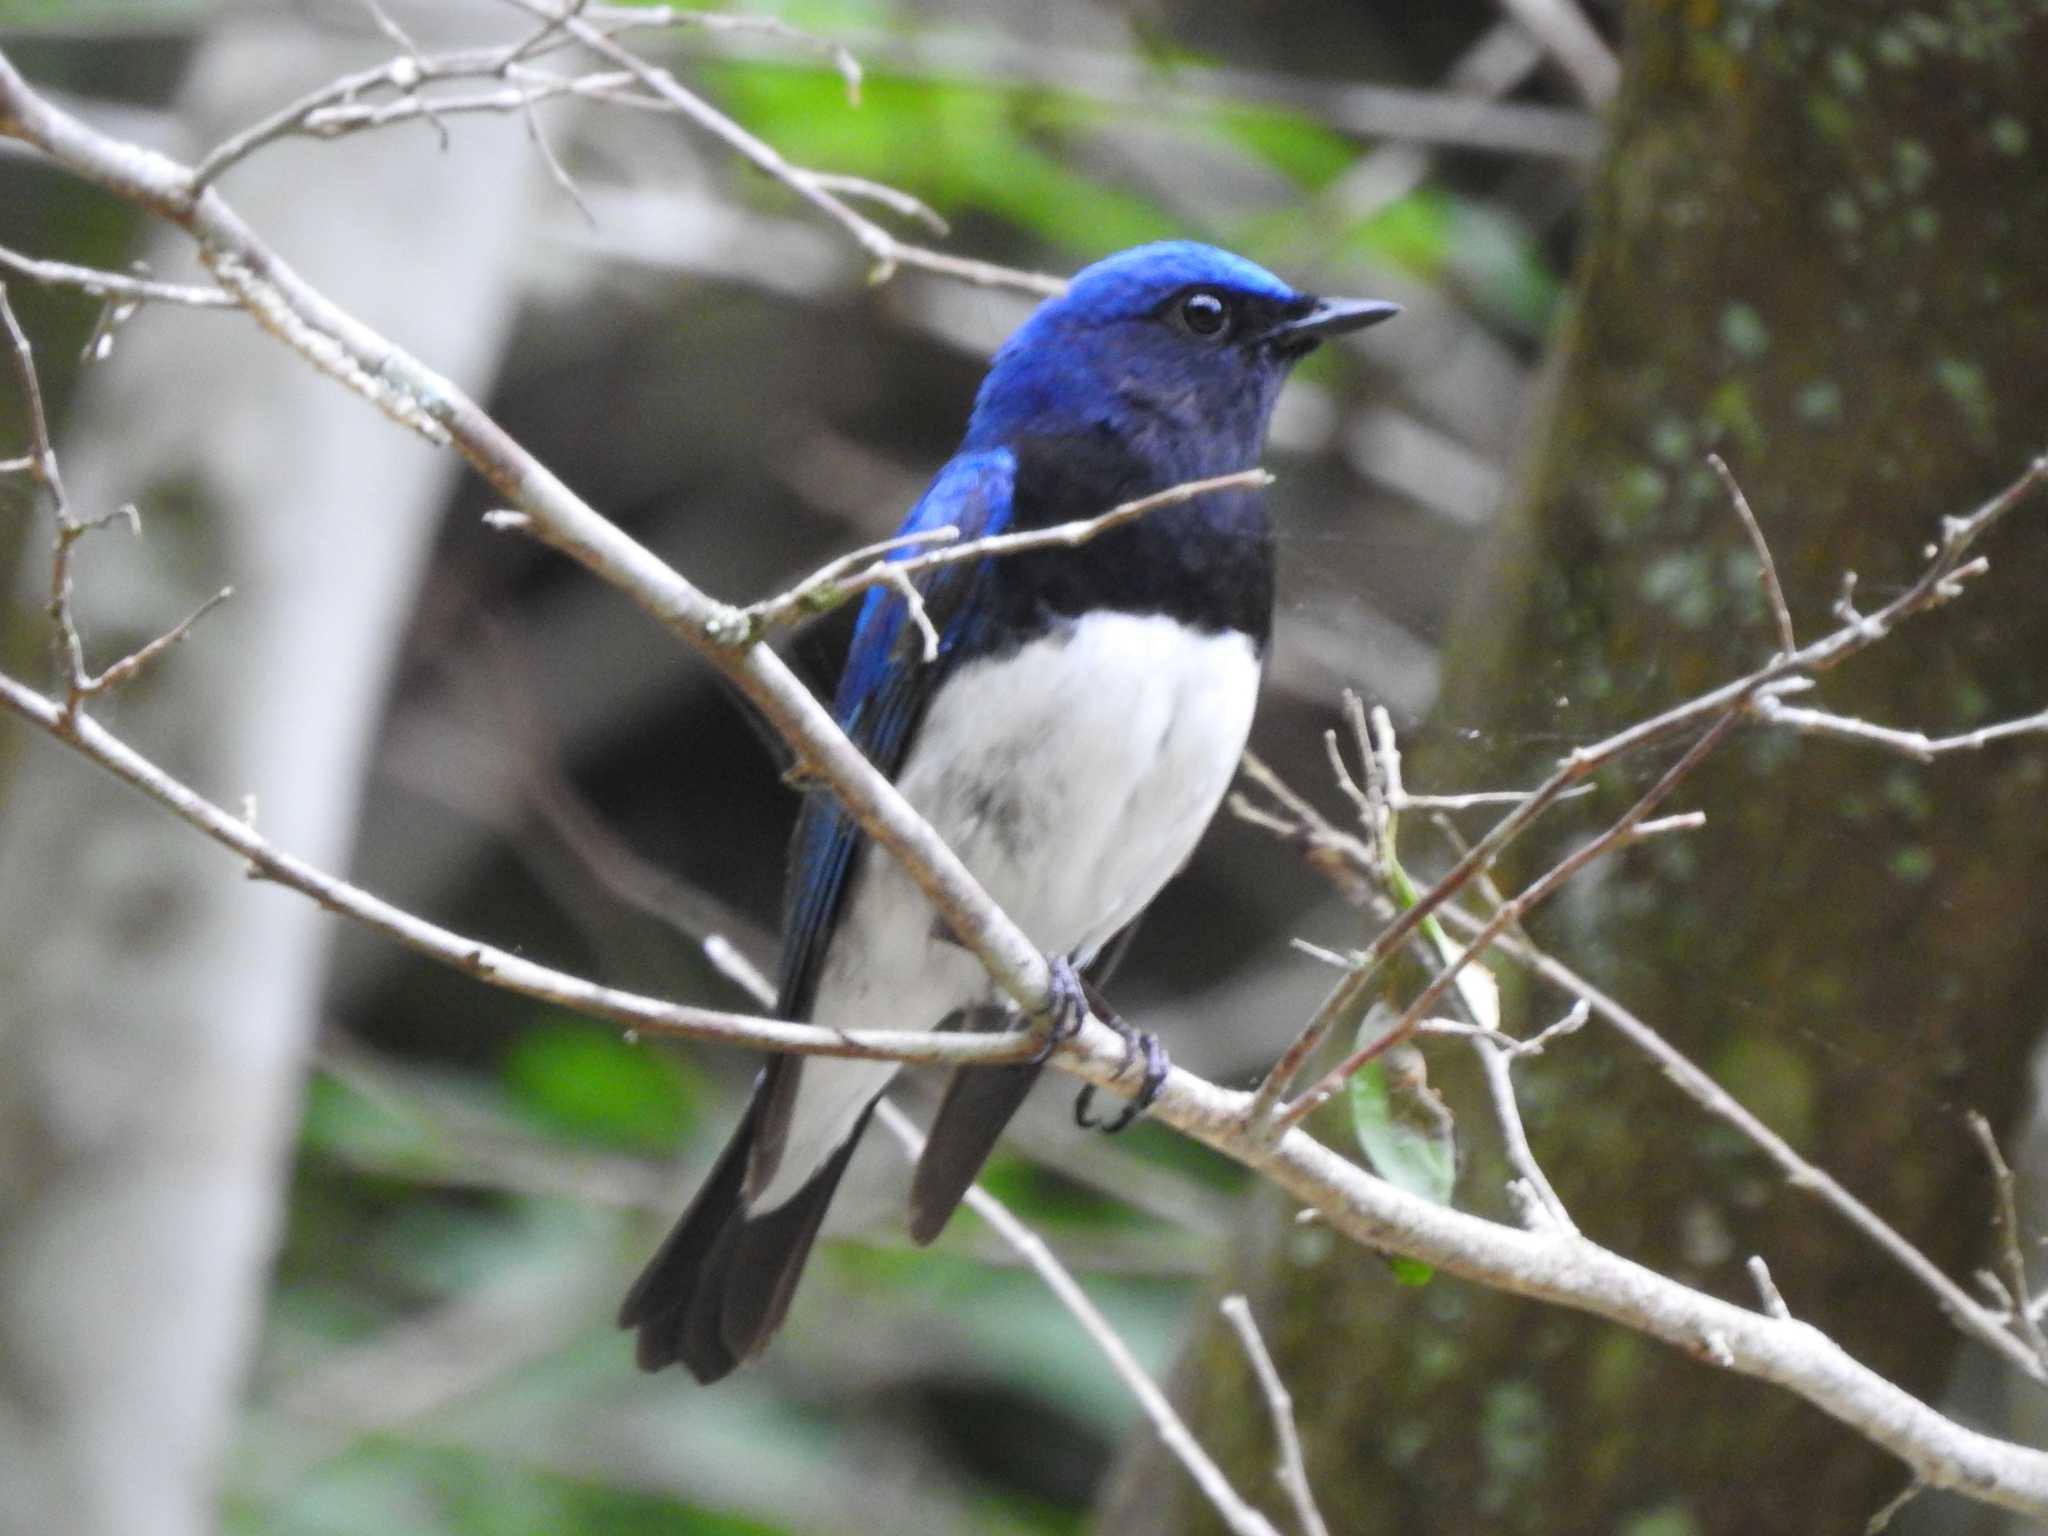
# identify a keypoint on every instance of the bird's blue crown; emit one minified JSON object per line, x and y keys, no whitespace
{"x":1164,"y":340}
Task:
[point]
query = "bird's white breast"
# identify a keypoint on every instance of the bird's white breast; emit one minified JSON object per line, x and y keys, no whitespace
{"x":1073,"y":776}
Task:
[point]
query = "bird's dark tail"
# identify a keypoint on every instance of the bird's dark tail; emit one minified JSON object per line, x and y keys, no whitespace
{"x":718,"y":1287}
{"x":978,"y":1105}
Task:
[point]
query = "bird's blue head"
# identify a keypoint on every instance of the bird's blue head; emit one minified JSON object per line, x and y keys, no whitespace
{"x":1176,"y":347}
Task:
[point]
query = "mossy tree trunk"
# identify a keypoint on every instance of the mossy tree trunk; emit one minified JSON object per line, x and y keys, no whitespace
{"x":1819,"y":246}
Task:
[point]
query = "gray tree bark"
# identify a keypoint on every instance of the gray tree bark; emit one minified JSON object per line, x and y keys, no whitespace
{"x":156,"y":1009}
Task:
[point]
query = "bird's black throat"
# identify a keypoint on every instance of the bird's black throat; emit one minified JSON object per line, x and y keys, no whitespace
{"x":1207,"y":563}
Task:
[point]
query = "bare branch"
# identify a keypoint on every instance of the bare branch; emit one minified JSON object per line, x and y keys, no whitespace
{"x":1509,"y":914}
{"x":1882,"y":1520}
{"x":1940,"y":580}
{"x":884,"y":250}
{"x":128,"y":666}
{"x":1347,"y":863}
{"x":851,"y":575}
{"x":403,"y":75}
{"x":1569,"y":37}
{"x":41,"y":466}
{"x":557,"y":172}
{"x":893,"y":198}
{"x":485,"y":961}
{"x":1914,"y":744}
{"x":2012,"y":1260}
{"x":1684,"y":821}
{"x":40,"y":462}
{"x":1767,"y":1288}
{"x":1292,"y":1470}
{"x":625,"y":18}
{"x":1497,"y":1063}
{"x":1767,"y":568}
{"x":528,"y":88}
{"x":1172,"y":1430}
{"x":1510,"y":1046}
{"x":116,"y":285}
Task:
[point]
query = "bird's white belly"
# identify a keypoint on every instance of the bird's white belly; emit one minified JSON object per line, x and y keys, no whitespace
{"x":1073,"y":777}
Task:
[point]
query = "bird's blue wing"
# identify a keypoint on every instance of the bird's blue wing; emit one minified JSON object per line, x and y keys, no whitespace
{"x":882,"y":695}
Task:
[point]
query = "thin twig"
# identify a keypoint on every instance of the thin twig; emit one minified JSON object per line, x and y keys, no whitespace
{"x":557,"y":172}
{"x":850,"y":575}
{"x":1292,"y":1469}
{"x":627,"y":18}
{"x":1913,"y":744}
{"x":131,"y":664}
{"x":1882,"y":1520}
{"x":1767,"y":568}
{"x":116,"y":285}
{"x":41,"y":459}
{"x":1513,"y":912}
{"x":528,"y":89}
{"x":1767,"y":1288}
{"x":1172,"y":1430}
{"x":913,"y":602}
{"x":1569,"y":38}
{"x":2012,"y":1259}
{"x":1497,"y":1064}
{"x":42,"y":468}
{"x":895,"y":199}
{"x":1662,"y":826}
{"x":40,"y":463}
{"x":884,"y":250}
{"x":1575,"y":1019}
{"x":404,"y":75}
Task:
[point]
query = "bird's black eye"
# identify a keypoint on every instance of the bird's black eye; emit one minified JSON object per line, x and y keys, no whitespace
{"x":1203,"y":313}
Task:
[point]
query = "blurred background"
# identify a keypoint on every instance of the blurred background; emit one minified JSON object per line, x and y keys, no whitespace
{"x":300,"y":1234}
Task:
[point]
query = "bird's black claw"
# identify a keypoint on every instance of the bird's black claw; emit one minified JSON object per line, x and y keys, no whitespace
{"x":1068,"y":1010}
{"x":1137,"y":1042}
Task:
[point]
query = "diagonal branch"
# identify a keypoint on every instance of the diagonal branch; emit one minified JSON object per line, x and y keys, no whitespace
{"x":1172,"y":1430}
{"x":1293,"y":1471}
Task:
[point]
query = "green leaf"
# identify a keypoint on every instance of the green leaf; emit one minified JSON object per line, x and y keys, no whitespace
{"x":1409,"y":1271}
{"x":1403,"y":1128}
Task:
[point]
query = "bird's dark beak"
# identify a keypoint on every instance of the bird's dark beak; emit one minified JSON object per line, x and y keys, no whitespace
{"x":1328,"y":317}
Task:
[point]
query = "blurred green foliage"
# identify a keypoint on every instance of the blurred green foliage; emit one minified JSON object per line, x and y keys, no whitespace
{"x":401,"y":1487}
{"x":579,"y":1080}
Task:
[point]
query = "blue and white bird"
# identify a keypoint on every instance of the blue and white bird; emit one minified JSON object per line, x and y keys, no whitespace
{"x":1072,"y":739}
